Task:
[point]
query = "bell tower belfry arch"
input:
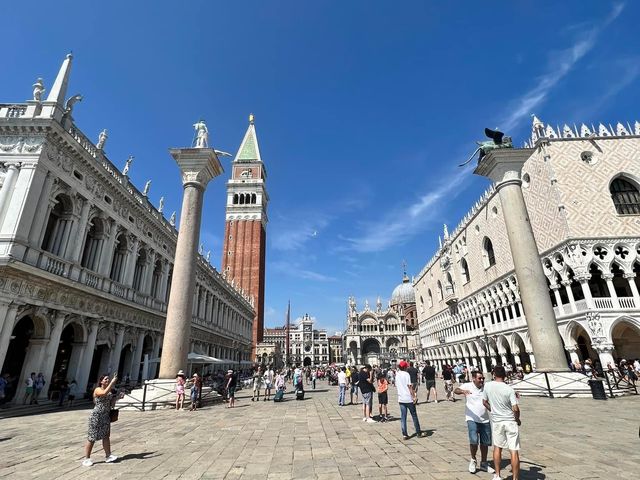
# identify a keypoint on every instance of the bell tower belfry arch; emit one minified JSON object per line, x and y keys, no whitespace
{"x":245,"y":240}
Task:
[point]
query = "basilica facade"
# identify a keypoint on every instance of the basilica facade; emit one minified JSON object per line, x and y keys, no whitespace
{"x":86,"y":260}
{"x":382,"y":336}
{"x":582,"y":191}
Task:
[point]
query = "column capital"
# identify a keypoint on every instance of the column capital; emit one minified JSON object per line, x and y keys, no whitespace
{"x":566,"y":283}
{"x":629,"y":275}
{"x":603,"y":347}
{"x":504,"y":165}
{"x":571,"y":348}
{"x":197,"y":165}
{"x":554,"y":287}
{"x":607,"y":276}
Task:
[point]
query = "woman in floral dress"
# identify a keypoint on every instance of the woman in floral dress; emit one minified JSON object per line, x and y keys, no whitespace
{"x":99,"y":421}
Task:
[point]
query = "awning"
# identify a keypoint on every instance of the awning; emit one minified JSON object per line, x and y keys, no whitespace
{"x":195,"y":358}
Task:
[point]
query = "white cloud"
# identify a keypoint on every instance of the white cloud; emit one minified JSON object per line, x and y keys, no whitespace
{"x":562,"y":62}
{"x":294,"y":269}
{"x":399,"y":225}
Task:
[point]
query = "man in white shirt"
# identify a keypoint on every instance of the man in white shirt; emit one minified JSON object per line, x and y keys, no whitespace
{"x":500,"y":399}
{"x":477,"y":417}
{"x":342,"y":386}
{"x":268,"y":378}
{"x":407,"y":398}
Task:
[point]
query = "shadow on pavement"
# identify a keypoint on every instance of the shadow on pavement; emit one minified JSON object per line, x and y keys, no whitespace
{"x":136,"y":456}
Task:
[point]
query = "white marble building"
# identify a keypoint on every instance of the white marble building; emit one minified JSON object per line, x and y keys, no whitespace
{"x":86,"y":259}
{"x":582,"y":190}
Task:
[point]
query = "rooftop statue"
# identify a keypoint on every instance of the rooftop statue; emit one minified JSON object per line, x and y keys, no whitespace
{"x":498,"y":140}
{"x":202,"y":134}
{"x":38,"y":90}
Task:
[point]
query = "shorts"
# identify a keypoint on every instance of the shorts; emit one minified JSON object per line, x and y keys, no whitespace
{"x":267,"y":385}
{"x":354,"y":389}
{"x":429,"y":384}
{"x":383,"y":398}
{"x":448,"y":386}
{"x":479,"y":433}
{"x":415,"y":387}
{"x":366,"y":397}
{"x":506,"y":435}
{"x":232,"y":392}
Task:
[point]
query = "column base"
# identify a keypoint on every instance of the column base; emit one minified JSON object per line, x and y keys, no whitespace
{"x":555,"y":385}
{"x":161,"y":394}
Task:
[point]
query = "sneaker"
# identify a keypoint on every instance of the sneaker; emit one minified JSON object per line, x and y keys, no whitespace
{"x":496,"y":477}
{"x":364,"y":419}
{"x":473,"y":466}
{"x":405,"y":437}
{"x":486,"y":467}
{"x":422,"y":434}
{"x":87,"y":462}
{"x":111,"y":458}
{"x":370,"y":420}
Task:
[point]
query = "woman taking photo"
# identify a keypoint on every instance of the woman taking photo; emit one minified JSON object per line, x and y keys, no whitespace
{"x":99,"y":420}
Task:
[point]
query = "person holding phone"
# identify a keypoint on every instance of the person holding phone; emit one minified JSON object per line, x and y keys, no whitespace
{"x":99,"y":421}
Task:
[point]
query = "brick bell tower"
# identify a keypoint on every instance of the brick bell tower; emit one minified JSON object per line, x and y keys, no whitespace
{"x":245,"y":236}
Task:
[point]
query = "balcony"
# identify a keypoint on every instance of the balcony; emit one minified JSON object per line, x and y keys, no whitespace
{"x":450,"y":296}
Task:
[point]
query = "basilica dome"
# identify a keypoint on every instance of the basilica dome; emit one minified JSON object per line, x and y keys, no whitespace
{"x":403,"y":293}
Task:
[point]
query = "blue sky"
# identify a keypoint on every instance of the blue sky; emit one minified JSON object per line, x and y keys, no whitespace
{"x":363,"y":110}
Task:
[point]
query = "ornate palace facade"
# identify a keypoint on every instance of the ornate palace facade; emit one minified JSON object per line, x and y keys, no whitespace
{"x":581,"y":187}
{"x":86,"y":259}
{"x":307,"y":345}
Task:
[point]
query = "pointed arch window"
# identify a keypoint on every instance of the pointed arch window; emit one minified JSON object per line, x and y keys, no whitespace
{"x":489,"y":256}
{"x":464,"y":270}
{"x":430,"y":295}
{"x":625,"y":196}
{"x":439,"y":290}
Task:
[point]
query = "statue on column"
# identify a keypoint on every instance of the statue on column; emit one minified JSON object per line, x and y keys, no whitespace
{"x":498,"y":140}
{"x":38,"y":90}
{"x":127,"y":165}
{"x":202,"y":134}
{"x":102,"y":139}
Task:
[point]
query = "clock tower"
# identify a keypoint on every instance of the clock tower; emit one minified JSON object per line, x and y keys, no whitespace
{"x":245,"y":236}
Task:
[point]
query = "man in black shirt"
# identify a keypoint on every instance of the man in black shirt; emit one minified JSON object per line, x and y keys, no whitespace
{"x":449,"y":379}
{"x":429,"y":374}
{"x":366,"y":389}
{"x":413,"y":374}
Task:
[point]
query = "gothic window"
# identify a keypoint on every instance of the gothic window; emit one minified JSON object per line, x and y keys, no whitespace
{"x":625,"y":196}
{"x":235,"y":199}
{"x":488,"y":255}
{"x":138,"y":273}
{"x":464,"y":267}
{"x":439,"y":290}
{"x":156,"y":279}
{"x":430,"y":295}
{"x":421,"y":304}
{"x":118,"y":261}
{"x":620,"y":283}
{"x":597,"y":284}
{"x":58,"y":226}
{"x":93,"y":244}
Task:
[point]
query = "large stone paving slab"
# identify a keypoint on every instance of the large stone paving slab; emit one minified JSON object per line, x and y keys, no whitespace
{"x":562,"y":439}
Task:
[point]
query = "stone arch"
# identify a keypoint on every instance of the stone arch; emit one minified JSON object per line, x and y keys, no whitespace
{"x":624,"y":333}
{"x":58,"y":225}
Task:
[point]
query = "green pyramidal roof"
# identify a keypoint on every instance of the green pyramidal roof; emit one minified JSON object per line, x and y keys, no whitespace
{"x":249,"y":150}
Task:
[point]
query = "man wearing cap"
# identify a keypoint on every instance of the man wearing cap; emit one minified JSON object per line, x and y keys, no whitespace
{"x":407,"y":399}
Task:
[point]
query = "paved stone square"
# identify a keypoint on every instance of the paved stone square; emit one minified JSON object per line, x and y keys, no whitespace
{"x":315,"y":439}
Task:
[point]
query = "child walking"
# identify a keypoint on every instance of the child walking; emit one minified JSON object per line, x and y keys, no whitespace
{"x":383,"y":397}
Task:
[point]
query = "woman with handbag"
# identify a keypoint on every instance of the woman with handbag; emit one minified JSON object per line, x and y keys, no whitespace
{"x":101,"y":418}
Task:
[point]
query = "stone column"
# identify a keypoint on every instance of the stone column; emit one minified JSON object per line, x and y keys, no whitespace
{"x":586,"y":291}
{"x":57,"y":324}
{"x":572,"y":300}
{"x":634,"y":288}
{"x":82,"y":377}
{"x":198,"y":166}
{"x":483,"y":360}
{"x":114,"y":359}
{"x":136,"y":358}
{"x":504,"y":166}
{"x":573,"y":353}
{"x":130,"y":263}
{"x":33,"y":361}
{"x":79,"y":232}
{"x":8,"y":313}
{"x":556,"y":295}
{"x":7,"y":188}
{"x":608,"y":277}
{"x":153,"y":368}
{"x":605,"y":352}
{"x":532,"y":359}
{"x":41,"y":217}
